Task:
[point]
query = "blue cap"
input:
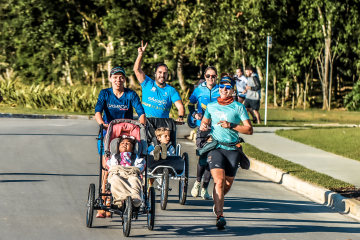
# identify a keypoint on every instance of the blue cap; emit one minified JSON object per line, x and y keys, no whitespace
{"x":117,"y":70}
{"x":228,"y":80}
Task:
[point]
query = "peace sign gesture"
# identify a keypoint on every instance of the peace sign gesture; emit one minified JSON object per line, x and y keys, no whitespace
{"x":141,"y":49}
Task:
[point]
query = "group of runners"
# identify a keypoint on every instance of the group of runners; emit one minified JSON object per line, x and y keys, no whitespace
{"x":218,"y":119}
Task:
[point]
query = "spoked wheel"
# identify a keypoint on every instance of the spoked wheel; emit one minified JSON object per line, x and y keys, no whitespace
{"x":151,"y":213}
{"x":127,"y":217}
{"x":90,"y":205}
{"x":183,"y":182}
{"x":164,"y":189}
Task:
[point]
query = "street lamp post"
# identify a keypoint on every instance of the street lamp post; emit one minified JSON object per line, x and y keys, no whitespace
{"x":269,"y":45}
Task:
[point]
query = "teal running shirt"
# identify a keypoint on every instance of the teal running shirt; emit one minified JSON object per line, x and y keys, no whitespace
{"x":235,"y":112}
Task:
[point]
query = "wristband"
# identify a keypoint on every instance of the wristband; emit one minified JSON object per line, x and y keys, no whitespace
{"x":232,"y":125}
{"x":181,"y":117}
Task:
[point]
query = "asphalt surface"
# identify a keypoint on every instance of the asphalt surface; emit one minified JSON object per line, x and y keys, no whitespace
{"x":47,"y":166}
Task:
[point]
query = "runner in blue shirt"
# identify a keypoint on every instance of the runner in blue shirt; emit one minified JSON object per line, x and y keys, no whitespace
{"x":205,"y":93}
{"x":157,"y":96}
{"x":115,"y":103}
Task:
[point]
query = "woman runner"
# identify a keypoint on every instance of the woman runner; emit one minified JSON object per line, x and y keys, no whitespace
{"x":206,"y":92}
{"x":225,"y":116}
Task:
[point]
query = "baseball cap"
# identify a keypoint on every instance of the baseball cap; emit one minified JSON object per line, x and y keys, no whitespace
{"x":228,"y":80}
{"x":117,"y":70}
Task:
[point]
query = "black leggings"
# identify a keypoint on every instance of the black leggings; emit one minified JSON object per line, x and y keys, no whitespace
{"x":203,"y":170}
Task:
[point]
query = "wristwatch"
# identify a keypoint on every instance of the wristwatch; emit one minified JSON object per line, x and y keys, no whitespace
{"x":232,"y":125}
{"x":181,"y":117}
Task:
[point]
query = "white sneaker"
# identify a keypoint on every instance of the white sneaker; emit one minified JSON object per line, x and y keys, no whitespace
{"x":204,"y":194}
{"x":195,"y":189}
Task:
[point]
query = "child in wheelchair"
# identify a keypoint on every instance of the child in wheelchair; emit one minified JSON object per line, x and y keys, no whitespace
{"x":124,"y":173}
{"x":164,"y":147}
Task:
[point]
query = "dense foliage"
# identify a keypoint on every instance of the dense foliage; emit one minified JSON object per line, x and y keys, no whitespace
{"x":77,"y":41}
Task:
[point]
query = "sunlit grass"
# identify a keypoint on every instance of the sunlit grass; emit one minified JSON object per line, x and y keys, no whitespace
{"x":341,"y":141}
{"x":294,"y":169}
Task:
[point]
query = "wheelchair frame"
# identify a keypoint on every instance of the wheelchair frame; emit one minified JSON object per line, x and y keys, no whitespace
{"x":163,"y":179}
{"x":127,"y":211}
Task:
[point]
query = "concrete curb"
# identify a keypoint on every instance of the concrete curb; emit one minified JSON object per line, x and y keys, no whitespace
{"x":45,"y":116}
{"x":318,"y":194}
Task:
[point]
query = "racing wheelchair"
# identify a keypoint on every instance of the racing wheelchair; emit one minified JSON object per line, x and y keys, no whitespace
{"x":127,"y":211}
{"x":173,"y":167}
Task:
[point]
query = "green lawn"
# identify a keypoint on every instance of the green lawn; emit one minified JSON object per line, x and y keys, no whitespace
{"x":294,"y":169}
{"x":341,"y":141}
{"x":299,"y":117}
{"x":25,"y":110}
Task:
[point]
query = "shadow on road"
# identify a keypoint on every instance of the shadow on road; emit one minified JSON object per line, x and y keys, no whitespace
{"x":3,"y":181}
{"x":49,"y":174}
{"x":46,"y":134}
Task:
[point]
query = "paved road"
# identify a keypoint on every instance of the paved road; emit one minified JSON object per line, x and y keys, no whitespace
{"x":331,"y":164}
{"x":47,"y":166}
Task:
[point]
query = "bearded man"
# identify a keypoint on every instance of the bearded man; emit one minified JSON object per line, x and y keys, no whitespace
{"x":157,"y":96}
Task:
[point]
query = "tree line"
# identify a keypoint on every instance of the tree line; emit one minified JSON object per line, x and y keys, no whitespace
{"x":79,"y":41}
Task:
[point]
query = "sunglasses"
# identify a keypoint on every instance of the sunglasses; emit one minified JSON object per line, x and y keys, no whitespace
{"x":208,"y":76}
{"x":228,"y":87}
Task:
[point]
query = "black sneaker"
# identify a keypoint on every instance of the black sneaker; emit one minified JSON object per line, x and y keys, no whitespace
{"x":163,"y":151}
{"x":220,"y":222}
{"x":157,"y":150}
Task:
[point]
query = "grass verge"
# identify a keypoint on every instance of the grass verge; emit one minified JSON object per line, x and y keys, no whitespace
{"x":341,"y":141}
{"x":299,"y":117}
{"x":294,"y":169}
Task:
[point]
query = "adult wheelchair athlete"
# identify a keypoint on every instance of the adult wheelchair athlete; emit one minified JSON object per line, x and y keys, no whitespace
{"x":127,"y":211}
{"x":173,"y":167}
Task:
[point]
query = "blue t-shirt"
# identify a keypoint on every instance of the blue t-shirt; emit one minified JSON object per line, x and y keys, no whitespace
{"x":233,"y":113}
{"x":117,"y":108}
{"x":157,"y":101}
{"x":203,"y":96}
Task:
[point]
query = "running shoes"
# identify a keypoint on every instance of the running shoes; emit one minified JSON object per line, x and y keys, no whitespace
{"x":204,"y":194}
{"x":220,"y":222}
{"x":195,"y":189}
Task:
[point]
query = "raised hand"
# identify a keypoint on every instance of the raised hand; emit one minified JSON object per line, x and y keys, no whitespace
{"x":141,"y":49}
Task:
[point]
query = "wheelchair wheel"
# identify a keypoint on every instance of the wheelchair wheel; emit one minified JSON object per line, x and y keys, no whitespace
{"x":164,"y":189}
{"x":183,"y":182}
{"x":151,"y":213}
{"x":90,"y":205}
{"x":127,"y":217}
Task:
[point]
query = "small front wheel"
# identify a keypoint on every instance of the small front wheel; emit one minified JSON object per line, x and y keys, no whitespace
{"x":183,"y":182}
{"x":90,"y":206}
{"x":127,"y":217}
{"x":151,"y":213}
{"x":164,"y":189}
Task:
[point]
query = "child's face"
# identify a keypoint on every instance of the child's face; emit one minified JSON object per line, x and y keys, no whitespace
{"x":165,"y":138}
{"x":125,"y":146}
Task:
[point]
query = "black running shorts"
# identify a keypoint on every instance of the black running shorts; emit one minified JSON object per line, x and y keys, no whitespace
{"x":228,"y":160}
{"x":253,"y":104}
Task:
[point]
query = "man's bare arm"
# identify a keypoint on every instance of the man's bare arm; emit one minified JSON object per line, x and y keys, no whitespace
{"x":100,"y":120}
{"x":181,"y":110}
{"x":139,"y":73}
{"x":142,"y":119}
